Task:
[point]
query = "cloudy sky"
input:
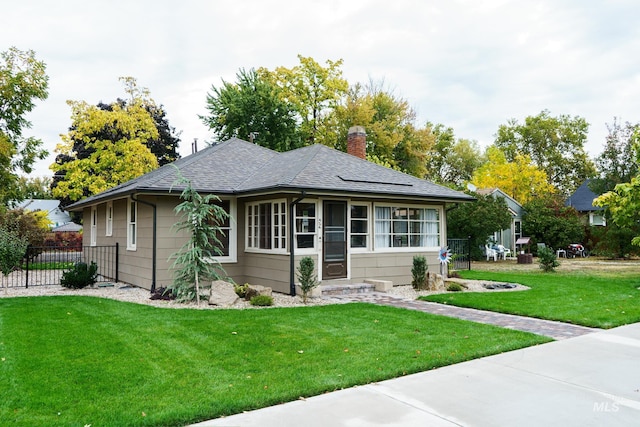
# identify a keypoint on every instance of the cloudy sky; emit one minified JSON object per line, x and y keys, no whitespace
{"x":469,"y":64}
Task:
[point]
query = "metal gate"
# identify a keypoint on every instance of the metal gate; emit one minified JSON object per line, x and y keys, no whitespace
{"x":461,"y":253}
{"x":45,"y":265}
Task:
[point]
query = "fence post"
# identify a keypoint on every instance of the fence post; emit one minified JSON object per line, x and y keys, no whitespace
{"x":469,"y":249}
{"x":26,"y":284}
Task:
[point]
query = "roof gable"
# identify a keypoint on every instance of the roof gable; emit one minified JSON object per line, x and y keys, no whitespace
{"x":582,"y":199}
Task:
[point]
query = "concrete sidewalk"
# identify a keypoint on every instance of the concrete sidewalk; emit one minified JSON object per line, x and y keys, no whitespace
{"x":591,"y":380}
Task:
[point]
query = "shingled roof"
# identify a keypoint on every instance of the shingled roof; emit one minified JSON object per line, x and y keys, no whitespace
{"x":582,"y":199}
{"x":239,"y":168}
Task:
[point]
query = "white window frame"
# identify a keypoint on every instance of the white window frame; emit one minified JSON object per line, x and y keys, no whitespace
{"x":132,"y":225}
{"x":109,"y":220}
{"x":368,"y":234}
{"x":279,"y":226}
{"x":232,"y":233}
{"x":315,"y":232}
{"x":600,"y":214}
{"x":383,"y":249}
{"x":93,"y":238}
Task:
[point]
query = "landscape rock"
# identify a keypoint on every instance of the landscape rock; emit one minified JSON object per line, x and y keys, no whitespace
{"x":255,"y":290}
{"x":435,"y":282}
{"x":222,"y":294}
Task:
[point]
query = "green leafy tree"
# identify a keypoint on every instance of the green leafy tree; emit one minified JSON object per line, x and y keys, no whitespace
{"x":33,"y":226}
{"x":12,"y":250}
{"x":23,"y":80}
{"x":549,"y":221}
{"x":554,"y":144}
{"x":34,"y":188}
{"x":253,"y":108}
{"x":450,"y":161}
{"x":393,"y":140}
{"x":478,"y":220}
{"x":201,"y":218}
{"x":623,"y":205}
{"x":314,"y":91}
{"x":111,"y":144}
{"x":616,"y":164}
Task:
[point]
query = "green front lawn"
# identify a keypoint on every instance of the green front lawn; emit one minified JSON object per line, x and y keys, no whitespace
{"x":602,"y":300}
{"x":73,"y":361}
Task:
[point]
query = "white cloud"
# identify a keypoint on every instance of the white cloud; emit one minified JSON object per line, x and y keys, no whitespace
{"x":468,"y":64}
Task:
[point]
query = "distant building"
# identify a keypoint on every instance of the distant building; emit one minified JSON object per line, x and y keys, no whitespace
{"x":54,"y":212}
{"x":582,"y":200}
{"x":508,"y":236}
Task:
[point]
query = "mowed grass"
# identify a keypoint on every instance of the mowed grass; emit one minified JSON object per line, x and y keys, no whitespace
{"x":74,"y":361}
{"x":602,"y":300}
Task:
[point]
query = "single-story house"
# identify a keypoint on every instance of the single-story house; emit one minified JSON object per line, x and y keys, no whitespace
{"x":582,"y":200}
{"x":356,"y":219}
{"x":508,"y":236}
{"x":56,"y":215}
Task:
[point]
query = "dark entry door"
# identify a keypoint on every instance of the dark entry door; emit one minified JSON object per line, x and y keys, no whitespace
{"x":334,"y":241}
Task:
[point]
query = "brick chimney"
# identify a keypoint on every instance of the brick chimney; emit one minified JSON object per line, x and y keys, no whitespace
{"x":357,"y":142}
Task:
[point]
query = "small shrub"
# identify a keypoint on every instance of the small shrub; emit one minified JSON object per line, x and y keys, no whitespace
{"x":307,"y":277}
{"x":419,"y":272}
{"x":241,"y":290}
{"x":162,"y":293}
{"x":547,"y":259}
{"x":80,"y":276}
{"x":261,"y":301}
{"x":454,"y":287}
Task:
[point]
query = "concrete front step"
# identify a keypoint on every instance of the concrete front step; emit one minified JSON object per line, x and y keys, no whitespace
{"x":347,"y":289}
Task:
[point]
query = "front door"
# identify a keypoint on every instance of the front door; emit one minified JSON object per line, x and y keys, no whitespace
{"x":334,"y":240}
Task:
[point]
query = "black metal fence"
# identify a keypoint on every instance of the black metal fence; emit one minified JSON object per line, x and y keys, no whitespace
{"x":44,"y":265}
{"x":461,"y":250}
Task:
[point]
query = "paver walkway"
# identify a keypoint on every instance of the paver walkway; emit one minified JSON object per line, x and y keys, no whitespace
{"x":555,"y":330}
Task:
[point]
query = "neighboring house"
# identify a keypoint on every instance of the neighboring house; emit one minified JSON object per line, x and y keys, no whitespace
{"x":55,"y":214}
{"x":356,"y":219}
{"x":507,"y":237}
{"x":582,"y":200}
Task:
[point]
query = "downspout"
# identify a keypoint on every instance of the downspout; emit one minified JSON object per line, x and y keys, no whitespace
{"x":154,"y":240}
{"x":292,"y":263}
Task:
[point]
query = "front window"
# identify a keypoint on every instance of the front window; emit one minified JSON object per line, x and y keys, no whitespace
{"x":406,"y":227}
{"x":359,"y":226}
{"x":132,"y":227}
{"x":267,"y":225}
{"x":306,"y":234}
{"x":224,"y":229}
{"x":109,"y":219}
{"x":94,"y":225}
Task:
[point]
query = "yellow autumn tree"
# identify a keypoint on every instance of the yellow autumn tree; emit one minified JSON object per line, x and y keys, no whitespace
{"x":114,"y":140}
{"x":520,"y":179}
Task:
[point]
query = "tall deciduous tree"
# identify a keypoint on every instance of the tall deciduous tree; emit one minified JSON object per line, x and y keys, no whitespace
{"x":520,"y":179}
{"x":23,"y":80}
{"x":554,"y":144}
{"x":314,"y":90}
{"x":109,"y":144}
{"x":452,"y":161}
{"x":393,"y":140}
{"x":616,"y":164}
{"x":253,"y":108}
{"x":547,"y":220}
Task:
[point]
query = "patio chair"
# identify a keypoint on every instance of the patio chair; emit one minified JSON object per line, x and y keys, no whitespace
{"x":491,"y":253}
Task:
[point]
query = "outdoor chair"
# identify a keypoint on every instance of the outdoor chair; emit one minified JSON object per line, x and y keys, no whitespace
{"x":491,"y":253}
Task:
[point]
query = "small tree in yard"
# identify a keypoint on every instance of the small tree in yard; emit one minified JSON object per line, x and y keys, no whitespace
{"x":307,"y":277}
{"x":419,"y":272}
{"x":12,"y":250}
{"x":547,"y":259}
{"x":200,"y":217}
